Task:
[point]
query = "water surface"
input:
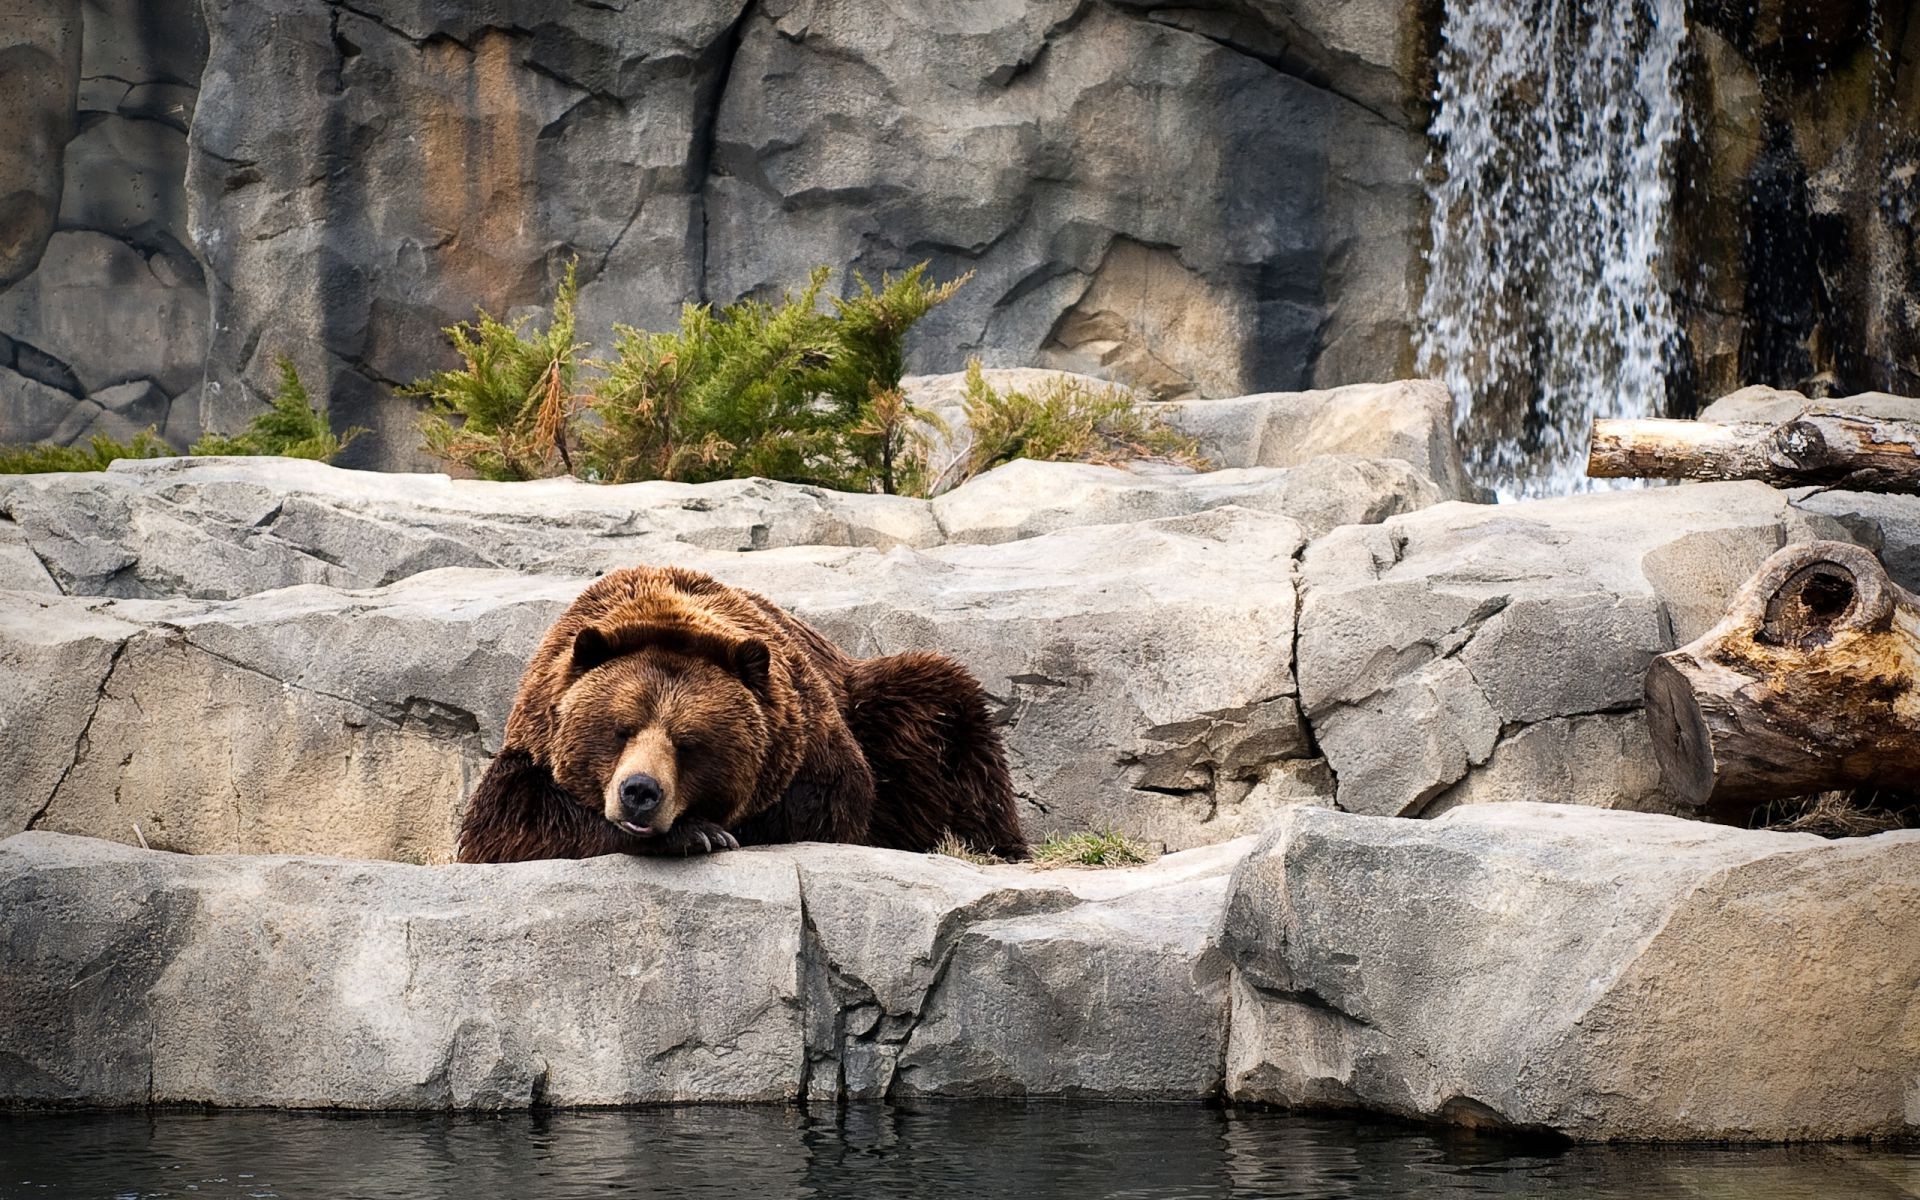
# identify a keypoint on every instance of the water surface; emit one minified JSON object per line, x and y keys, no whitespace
{"x":1039,"y":1151}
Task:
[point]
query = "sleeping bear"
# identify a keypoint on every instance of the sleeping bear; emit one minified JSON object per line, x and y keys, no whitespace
{"x":667,"y":713}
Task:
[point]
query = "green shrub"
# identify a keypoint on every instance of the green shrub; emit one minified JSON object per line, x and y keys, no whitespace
{"x":95,"y":456}
{"x":1063,"y":420}
{"x":507,"y":414}
{"x":291,"y":428}
{"x":784,"y":391}
{"x":1105,"y":848}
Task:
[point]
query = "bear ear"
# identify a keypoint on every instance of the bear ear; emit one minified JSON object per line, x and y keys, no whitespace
{"x":751,"y":661}
{"x":591,"y":647}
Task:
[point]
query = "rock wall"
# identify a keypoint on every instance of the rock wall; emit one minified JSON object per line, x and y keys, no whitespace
{"x":1795,"y":264}
{"x":1204,"y":201}
{"x":1600,"y":975}
{"x":1180,"y":655}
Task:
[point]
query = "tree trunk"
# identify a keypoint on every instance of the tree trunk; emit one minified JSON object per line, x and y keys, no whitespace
{"x":1817,"y":447}
{"x":1808,"y":684}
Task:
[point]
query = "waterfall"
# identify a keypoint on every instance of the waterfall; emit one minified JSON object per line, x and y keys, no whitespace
{"x":1551,"y":195}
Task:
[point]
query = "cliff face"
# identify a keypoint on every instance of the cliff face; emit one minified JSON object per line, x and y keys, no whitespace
{"x":1207,"y":202}
{"x":1203,"y":199}
{"x":1795,"y":260}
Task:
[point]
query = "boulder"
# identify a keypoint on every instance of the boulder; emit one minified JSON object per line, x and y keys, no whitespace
{"x":1410,"y":420}
{"x":1467,"y":652}
{"x":1760,"y":403}
{"x":1025,"y":498}
{"x":1143,"y":674}
{"x":765,"y":974}
{"x":222,"y":528}
{"x":324,"y":983}
{"x":1598,"y":975}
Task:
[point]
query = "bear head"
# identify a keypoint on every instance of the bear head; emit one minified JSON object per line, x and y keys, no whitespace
{"x":662,"y":721}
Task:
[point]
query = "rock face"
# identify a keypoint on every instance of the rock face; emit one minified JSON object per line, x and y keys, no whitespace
{"x":1179,"y":655}
{"x":759,"y":975}
{"x":348,"y":644}
{"x":1204,"y":203}
{"x":1602,"y":975}
{"x":1471,"y":653}
{"x":1793,"y":220}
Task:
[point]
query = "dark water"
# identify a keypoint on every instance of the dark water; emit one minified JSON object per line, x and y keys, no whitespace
{"x":1035,"y":1150}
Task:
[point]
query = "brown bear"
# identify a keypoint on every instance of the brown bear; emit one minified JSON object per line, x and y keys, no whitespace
{"x":667,"y":713}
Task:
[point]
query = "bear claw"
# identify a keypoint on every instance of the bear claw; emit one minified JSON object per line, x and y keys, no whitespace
{"x":699,"y":837}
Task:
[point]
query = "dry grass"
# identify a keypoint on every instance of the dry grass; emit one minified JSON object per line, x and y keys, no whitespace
{"x":1841,"y":814}
{"x":953,"y":847}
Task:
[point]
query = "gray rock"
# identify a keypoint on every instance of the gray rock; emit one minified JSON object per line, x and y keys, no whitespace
{"x":88,"y":282}
{"x":1025,"y":498}
{"x":1410,"y":420}
{"x":1779,"y":404}
{"x":336,"y":984}
{"x":758,"y":975}
{"x":1601,"y":975}
{"x":1093,"y":248}
{"x":39,"y":77}
{"x":392,"y":165}
{"x":222,"y":528}
{"x":1432,"y":643}
{"x":119,"y":412}
{"x":1143,"y":671}
{"x":33,"y":411}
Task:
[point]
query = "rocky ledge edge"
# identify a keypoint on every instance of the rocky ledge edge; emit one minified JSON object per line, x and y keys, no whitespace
{"x":1590,"y":973}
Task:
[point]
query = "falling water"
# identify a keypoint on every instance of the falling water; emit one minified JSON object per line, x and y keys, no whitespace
{"x":1551,"y":201}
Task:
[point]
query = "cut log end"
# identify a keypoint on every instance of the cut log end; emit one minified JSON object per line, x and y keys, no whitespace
{"x":1803,"y":688}
{"x":1682,"y":744}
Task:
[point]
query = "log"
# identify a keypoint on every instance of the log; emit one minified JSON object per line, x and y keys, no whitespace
{"x":1837,"y":449}
{"x":1808,"y":684}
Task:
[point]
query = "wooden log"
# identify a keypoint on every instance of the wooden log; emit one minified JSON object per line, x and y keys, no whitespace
{"x":1811,"y":682}
{"x":1818,"y":446}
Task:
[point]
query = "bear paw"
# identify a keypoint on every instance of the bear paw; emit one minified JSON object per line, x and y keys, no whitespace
{"x":697,"y":837}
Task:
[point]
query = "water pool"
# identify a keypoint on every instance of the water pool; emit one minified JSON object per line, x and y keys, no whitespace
{"x":1037,"y":1150}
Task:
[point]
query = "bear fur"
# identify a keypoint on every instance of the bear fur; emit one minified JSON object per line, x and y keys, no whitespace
{"x":742,"y":726}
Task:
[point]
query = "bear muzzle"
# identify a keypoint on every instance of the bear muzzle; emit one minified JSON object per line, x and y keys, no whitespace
{"x":636,"y":803}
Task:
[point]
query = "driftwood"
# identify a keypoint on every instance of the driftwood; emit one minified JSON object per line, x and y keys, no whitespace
{"x":1811,"y":682}
{"x":1865,"y":454}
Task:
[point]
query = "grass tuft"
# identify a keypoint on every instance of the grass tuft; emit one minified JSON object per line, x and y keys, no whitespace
{"x":951,"y":846}
{"x":1101,"y":848}
{"x":1062,"y":420}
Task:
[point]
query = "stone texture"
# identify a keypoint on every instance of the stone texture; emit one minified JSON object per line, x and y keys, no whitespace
{"x":328,"y":983}
{"x":1601,"y":975}
{"x":1149,"y":187}
{"x":1433,"y":645}
{"x":1409,"y":420}
{"x":39,"y":77}
{"x":359,"y":176}
{"x":223,"y":528}
{"x":1759,"y":403}
{"x":759,"y":975}
{"x":1792,"y":242}
{"x":1025,"y":498}
{"x":357,"y":638}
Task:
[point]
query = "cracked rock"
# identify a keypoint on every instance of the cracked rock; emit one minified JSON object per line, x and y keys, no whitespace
{"x":615,"y":980}
{"x":1106,"y":648}
{"x":1601,"y":975}
{"x":1431,"y":642}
